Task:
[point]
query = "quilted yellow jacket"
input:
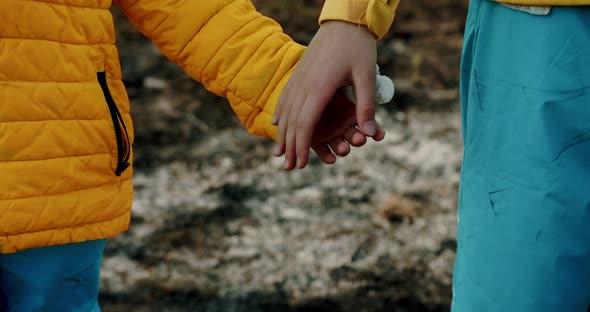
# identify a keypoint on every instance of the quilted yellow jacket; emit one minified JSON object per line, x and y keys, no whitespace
{"x":65,"y":128}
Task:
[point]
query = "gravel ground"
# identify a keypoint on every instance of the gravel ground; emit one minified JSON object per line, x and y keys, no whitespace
{"x":231,"y":231}
{"x":219,"y":226}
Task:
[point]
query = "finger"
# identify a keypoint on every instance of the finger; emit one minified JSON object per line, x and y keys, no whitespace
{"x":325,"y":154}
{"x":339,"y":147}
{"x":282,"y":107}
{"x":380,"y":133}
{"x":283,"y":99}
{"x":290,"y":160}
{"x":290,"y":138}
{"x":364,"y":85}
{"x":354,"y":136}
{"x":311,"y":112}
{"x":279,"y":147}
{"x":275,"y":116}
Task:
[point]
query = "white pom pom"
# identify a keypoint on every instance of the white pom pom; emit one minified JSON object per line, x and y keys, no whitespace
{"x":384,"y":90}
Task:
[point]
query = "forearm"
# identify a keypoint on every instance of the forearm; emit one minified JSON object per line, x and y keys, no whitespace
{"x":226,"y":45}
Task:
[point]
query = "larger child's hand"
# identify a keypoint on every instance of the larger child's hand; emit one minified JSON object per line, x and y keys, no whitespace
{"x":340,"y":54}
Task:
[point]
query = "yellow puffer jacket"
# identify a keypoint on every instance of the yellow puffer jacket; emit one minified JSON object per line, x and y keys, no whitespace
{"x":65,"y":128}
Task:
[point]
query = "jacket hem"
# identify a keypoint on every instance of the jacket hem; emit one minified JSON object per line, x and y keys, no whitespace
{"x":61,"y":236}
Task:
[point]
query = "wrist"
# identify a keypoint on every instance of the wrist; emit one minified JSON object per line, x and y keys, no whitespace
{"x":349,"y":26}
{"x":376,"y":15}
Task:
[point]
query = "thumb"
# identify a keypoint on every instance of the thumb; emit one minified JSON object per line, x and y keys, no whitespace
{"x":364,"y":85}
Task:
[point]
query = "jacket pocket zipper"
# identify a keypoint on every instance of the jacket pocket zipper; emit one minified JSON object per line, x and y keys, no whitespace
{"x":121,"y":135}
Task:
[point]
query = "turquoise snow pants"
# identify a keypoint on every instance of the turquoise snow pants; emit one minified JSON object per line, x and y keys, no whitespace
{"x":61,"y":278}
{"x":524,"y":202}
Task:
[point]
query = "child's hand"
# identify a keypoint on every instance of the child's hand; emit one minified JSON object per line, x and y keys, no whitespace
{"x":336,"y":132}
{"x":340,"y":54}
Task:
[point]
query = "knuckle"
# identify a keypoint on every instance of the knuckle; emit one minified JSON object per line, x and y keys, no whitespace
{"x":302,"y":125}
{"x":293,"y":118}
{"x":316,"y":83}
{"x":366,"y":72}
{"x":368,"y":110}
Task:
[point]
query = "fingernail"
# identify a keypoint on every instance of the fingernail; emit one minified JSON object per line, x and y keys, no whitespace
{"x":369,"y":128}
{"x":287,"y":164}
{"x":299,"y":163}
{"x":274,"y":120}
{"x":276,"y":149}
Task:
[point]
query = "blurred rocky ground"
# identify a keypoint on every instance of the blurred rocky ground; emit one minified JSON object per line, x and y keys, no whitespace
{"x":219,"y":226}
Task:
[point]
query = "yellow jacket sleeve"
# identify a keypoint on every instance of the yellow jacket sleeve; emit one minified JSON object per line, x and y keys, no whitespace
{"x":377,"y":15}
{"x":226,"y":45}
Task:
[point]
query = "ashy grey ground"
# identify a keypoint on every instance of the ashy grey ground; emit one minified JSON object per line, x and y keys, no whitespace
{"x":219,"y":226}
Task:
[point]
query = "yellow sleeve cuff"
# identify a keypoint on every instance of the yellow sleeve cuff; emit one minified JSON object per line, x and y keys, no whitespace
{"x":377,"y":15}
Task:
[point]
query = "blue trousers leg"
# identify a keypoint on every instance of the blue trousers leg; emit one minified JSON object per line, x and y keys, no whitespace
{"x":524,"y":204}
{"x":57,"y":278}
